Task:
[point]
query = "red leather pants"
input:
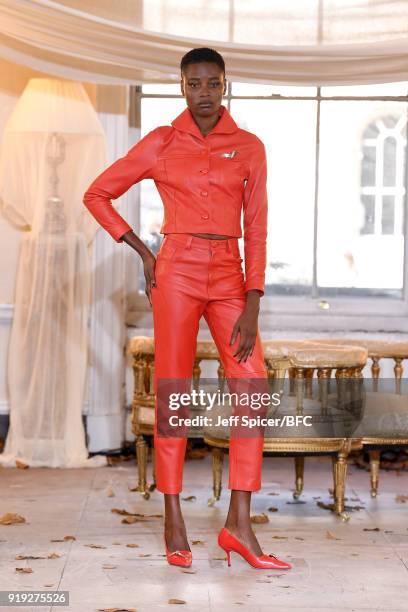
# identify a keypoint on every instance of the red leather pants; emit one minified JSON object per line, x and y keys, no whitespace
{"x":201,"y":277}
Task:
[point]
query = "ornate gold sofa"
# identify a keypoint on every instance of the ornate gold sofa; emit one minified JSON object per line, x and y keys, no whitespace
{"x":307,"y":364}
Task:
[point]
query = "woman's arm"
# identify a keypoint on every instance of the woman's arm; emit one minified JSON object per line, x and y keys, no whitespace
{"x":255,"y":236}
{"x":137,"y":164}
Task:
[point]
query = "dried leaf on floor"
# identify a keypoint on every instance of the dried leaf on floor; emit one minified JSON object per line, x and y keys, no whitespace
{"x":129,"y":520}
{"x":272,"y":493}
{"x":276,"y":537}
{"x":24,"y":570}
{"x":107,"y":566}
{"x":219,"y":558}
{"x":331,"y":536}
{"x":94,"y":545}
{"x":299,"y":538}
{"x":371,"y":529}
{"x":272,"y":509}
{"x":49,"y":585}
{"x":116,"y":609}
{"x":53,"y":556}
{"x":10,"y":518}
{"x":297,"y":501}
{"x":110,"y":492}
{"x":132,"y":545}
{"x":189,"y":498}
{"x":66,"y":538}
{"x":145,"y":555}
{"x":401,"y":499}
{"x":198,"y":543}
{"x":21,"y":557}
{"x":173,"y":600}
{"x":325,"y":506}
{"x":21,"y":465}
{"x":124,"y":512}
{"x":189,"y":571}
{"x":260,"y":518}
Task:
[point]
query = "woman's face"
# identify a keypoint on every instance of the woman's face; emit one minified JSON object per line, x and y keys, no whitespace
{"x":203,"y":85}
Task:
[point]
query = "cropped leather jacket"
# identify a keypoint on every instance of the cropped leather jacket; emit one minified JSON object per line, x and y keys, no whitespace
{"x":206,"y":184}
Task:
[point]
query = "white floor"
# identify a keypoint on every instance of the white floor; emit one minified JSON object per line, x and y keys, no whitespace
{"x":337,"y":566}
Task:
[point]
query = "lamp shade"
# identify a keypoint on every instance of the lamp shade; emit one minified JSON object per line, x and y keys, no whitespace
{"x":54,"y":105}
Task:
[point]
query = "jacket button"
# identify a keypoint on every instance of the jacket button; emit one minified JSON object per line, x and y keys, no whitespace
{"x":204,"y":216}
{"x":204,"y":170}
{"x":204,"y":193}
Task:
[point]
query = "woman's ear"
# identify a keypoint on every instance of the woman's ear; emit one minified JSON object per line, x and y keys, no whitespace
{"x":182,"y":87}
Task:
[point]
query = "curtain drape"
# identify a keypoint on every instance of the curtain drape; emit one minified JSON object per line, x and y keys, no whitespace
{"x":53,"y":146}
{"x":303,"y":42}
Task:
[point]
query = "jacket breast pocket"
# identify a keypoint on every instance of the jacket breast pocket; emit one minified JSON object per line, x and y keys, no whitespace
{"x":179,"y":168}
{"x":229,"y":172}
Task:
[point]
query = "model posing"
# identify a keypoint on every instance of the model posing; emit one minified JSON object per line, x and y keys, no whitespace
{"x":207,"y":170}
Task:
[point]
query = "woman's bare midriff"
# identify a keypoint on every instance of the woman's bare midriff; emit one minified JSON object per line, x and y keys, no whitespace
{"x":213,"y":236}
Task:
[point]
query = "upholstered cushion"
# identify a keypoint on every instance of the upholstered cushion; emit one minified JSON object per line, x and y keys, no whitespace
{"x":385,"y":416}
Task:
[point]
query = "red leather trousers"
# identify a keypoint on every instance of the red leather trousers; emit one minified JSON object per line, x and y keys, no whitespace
{"x":198,"y":277}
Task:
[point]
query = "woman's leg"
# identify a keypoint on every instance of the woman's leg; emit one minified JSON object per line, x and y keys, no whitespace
{"x":246,"y":452}
{"x":176,"y":315}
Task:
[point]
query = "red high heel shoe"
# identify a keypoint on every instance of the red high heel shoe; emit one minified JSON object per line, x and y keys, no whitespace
{"x":229,"y":543}
{"x":182,"y":558}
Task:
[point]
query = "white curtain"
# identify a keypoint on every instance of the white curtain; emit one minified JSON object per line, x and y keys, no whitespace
{"x":53,"y":147}
{"x":301,"y":42}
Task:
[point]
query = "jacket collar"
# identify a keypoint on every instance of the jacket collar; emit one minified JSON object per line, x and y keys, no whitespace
{"x":185,"y":123}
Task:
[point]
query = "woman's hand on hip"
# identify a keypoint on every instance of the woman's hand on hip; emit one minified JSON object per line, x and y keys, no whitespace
{"x":149,"y":265}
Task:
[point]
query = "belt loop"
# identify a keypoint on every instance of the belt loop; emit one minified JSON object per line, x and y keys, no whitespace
{"x":189,"y":241}
{"x":228,"y":245}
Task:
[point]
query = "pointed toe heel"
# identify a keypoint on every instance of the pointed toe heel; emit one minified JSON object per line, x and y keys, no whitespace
{"x":182,"y":558}
{"x":229,"y":543}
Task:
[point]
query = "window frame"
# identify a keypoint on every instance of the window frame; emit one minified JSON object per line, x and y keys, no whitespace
{"x":313,"y":311}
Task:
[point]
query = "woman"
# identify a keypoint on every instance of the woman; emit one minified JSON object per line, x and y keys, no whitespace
{"x":206,"y":170}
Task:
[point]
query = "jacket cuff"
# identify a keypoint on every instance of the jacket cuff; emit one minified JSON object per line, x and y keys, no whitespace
{"x":255,"y":283}
{"x":119,"y":231}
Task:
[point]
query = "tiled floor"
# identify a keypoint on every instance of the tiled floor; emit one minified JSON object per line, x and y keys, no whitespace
{"x":359,"y":570}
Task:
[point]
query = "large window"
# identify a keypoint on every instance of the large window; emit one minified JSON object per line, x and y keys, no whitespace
{"x":336,"y":184}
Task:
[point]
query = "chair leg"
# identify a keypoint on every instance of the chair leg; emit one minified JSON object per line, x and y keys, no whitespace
{"x":153,"y":485}
{"x":141,"y":455}
{"x":217,"y":463}
{"x":374,"y":471}
{"x":339,"y":480}
{"x":299,"y":471}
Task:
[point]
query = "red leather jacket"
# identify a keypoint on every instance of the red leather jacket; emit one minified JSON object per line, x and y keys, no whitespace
{"x":205,"y":183}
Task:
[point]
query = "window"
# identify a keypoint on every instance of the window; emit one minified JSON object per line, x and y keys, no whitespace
{"x":336,"y":186}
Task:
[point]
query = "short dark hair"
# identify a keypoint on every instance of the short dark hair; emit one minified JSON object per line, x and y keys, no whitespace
{"x":202,"y":54}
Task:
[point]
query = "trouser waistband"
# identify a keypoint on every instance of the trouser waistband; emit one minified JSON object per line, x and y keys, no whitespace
{"x":188,"y":240}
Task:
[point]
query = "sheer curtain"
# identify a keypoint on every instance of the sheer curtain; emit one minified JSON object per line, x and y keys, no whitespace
{"x":53,"y":146}
{"x":301,"y":42}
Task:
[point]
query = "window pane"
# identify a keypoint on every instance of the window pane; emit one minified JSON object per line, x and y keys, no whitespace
{"x":382,"y":89}
{"x":361,"y":198}
{"x":287,"y":128}
{"x":253,"y":89}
